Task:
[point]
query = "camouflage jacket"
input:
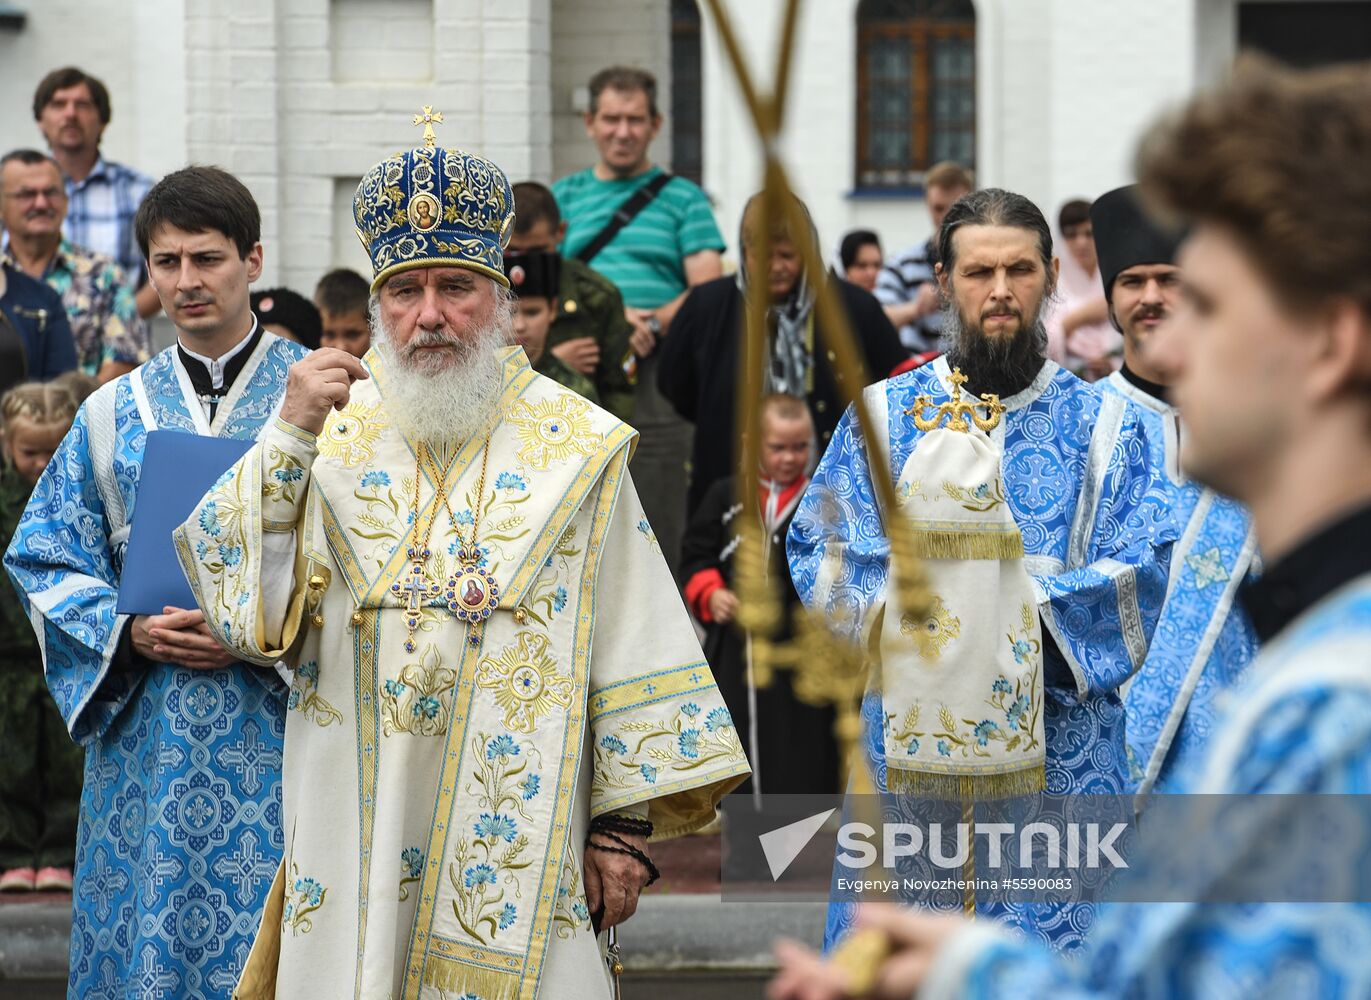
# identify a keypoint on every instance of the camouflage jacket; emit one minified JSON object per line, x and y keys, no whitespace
{"x":590,"y":306}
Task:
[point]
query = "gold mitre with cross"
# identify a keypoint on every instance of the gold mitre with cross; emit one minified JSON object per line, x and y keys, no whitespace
{"x":434,"y":207}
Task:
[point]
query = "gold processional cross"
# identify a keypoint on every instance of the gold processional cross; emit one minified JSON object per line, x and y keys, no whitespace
{"x":428,"y":119}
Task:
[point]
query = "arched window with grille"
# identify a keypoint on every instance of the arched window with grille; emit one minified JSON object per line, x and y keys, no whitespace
{"x":916,"y":89}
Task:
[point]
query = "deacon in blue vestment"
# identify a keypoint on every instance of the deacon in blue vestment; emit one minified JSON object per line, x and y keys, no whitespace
{"x":1267,"y":359}
{"x":1080,"y":488}
{"x":1204,"y":639}
{"x":180,"y":817}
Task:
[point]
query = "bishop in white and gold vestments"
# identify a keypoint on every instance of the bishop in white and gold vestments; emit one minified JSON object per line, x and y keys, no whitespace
{"x":488,"y":651}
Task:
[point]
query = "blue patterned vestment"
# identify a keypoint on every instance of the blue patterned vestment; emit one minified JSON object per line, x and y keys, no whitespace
{"x":1096,"y":538}
{"x":1204,"y":639}
{"x":1299,"y":723}
{"x":179,"y":833}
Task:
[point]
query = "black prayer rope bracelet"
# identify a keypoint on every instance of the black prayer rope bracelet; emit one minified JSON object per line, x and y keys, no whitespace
{"x":626,"y":848}
{"x":617,"y":823}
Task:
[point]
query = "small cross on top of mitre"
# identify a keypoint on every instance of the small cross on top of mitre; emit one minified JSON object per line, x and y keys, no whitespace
{"x":428,"y":119}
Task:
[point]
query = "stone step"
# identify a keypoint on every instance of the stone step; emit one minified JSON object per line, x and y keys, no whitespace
{"x":676,"y":945}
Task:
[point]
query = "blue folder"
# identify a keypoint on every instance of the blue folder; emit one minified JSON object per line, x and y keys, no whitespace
{"x":178,"y":470}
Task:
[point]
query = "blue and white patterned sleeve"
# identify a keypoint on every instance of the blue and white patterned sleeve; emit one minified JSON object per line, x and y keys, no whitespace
{"x":1101,"y":613}
{"x":62,"y":566}
{"x":837,"y":547}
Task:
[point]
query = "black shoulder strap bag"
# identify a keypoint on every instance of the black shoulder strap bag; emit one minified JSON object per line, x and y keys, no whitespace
{"x":626,"y":213}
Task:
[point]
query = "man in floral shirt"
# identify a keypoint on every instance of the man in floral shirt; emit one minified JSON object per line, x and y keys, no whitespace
{"x":110,"y":337}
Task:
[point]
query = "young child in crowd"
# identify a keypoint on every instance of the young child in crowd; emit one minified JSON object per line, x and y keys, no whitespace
{"x":789,"y":743}
{"x":534,"y":278}
{"x":342,"y":297}
{"x":40,"y":767}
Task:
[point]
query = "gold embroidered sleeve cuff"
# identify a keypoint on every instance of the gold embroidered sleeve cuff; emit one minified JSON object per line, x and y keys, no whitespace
{"x":285,"y":454}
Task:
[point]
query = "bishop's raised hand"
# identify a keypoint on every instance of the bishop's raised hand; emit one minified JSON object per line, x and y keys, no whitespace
{"x":318,"y":383}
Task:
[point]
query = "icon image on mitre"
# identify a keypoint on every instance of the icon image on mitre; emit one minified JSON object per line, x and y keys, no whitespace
{"x":424,"y":214}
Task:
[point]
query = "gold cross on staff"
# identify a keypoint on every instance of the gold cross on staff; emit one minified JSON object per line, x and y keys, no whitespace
{"x":428,"y":119}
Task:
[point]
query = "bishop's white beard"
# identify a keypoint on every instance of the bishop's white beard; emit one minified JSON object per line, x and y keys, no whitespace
{"x":440,"y":398}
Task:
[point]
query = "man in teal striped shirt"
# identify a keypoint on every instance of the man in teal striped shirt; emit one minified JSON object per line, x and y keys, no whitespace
{"x":671,"y":244}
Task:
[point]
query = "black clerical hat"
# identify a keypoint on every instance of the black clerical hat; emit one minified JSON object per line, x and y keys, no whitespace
{"x":534,"y":273}
{"x":1125,"y":235}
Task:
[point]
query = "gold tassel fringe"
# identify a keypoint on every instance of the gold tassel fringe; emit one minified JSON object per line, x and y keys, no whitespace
{"x":954,"y":787}
{"x":459,"y":979}
{"x":940,"y":544}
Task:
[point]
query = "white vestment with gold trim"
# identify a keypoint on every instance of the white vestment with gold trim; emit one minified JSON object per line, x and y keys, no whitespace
{"x":436,"y":802}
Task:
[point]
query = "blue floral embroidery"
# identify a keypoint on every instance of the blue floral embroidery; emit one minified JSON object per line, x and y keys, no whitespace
{"x":510,"y":481}
{"x":201,"y":548}
{"x":478,"y":875}
{"x":529,"y":786}
{"x":395,"y":688}
{"x":579,"y":908}
{"x":464,"y":517}
{"x":232,"y":555}
{"x":209,"y":520}
{"x":502,"y":746}
{"x":983,"y":730}
{"x":1022,"y":651}
{"x":376,"y":479}
{"x":689,"y":743}
{"x":559,"y":599}
{"x":649,"y":773}
{"x":718,"y":719}
{"x":913,"y":746}
{"x":613,"y":744}
{"x":1001,"y":685}
{"x":223,"y":480}
{"x":1017,"y":711}
{"x":497,"y":825}
{"x":507,"y":916}
{"x":310,"y":890}
{"x":413,"y":860}
{"x":427,"y":707}
{"x":943,"y":749}
{"x":291,"y":474}
{"x":690,"y":709}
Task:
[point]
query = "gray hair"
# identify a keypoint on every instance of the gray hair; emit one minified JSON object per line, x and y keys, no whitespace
{"x":995,"y":207}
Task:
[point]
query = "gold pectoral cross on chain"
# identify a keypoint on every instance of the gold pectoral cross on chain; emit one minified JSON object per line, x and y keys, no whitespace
{"x":957,"y":410}
{"x":419,"y":592}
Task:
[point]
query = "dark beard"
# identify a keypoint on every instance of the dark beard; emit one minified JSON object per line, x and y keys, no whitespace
{"x":991,"y":365}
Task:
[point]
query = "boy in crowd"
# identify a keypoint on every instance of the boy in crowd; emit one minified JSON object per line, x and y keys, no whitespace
{"x":533,"y":278}
{"x":342,"y":297}
{"x":789,"y":743}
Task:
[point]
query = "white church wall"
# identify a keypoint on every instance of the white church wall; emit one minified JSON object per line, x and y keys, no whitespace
{"x":138,"y":50}
{"x":1064,"y":89}
{"x":301,"y":97}
{"x":587,"y":36}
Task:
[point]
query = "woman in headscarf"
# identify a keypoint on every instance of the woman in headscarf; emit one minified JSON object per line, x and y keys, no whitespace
{"x":700,"y":359}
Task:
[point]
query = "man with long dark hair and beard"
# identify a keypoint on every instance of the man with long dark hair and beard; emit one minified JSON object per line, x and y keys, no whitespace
{"x":1038,"y":518}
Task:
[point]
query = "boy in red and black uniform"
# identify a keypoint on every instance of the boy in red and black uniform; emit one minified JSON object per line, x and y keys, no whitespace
{"x":788,"y":742}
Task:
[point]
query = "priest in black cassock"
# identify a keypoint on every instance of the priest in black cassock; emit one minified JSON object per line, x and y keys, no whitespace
{"x":789,"y":743}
